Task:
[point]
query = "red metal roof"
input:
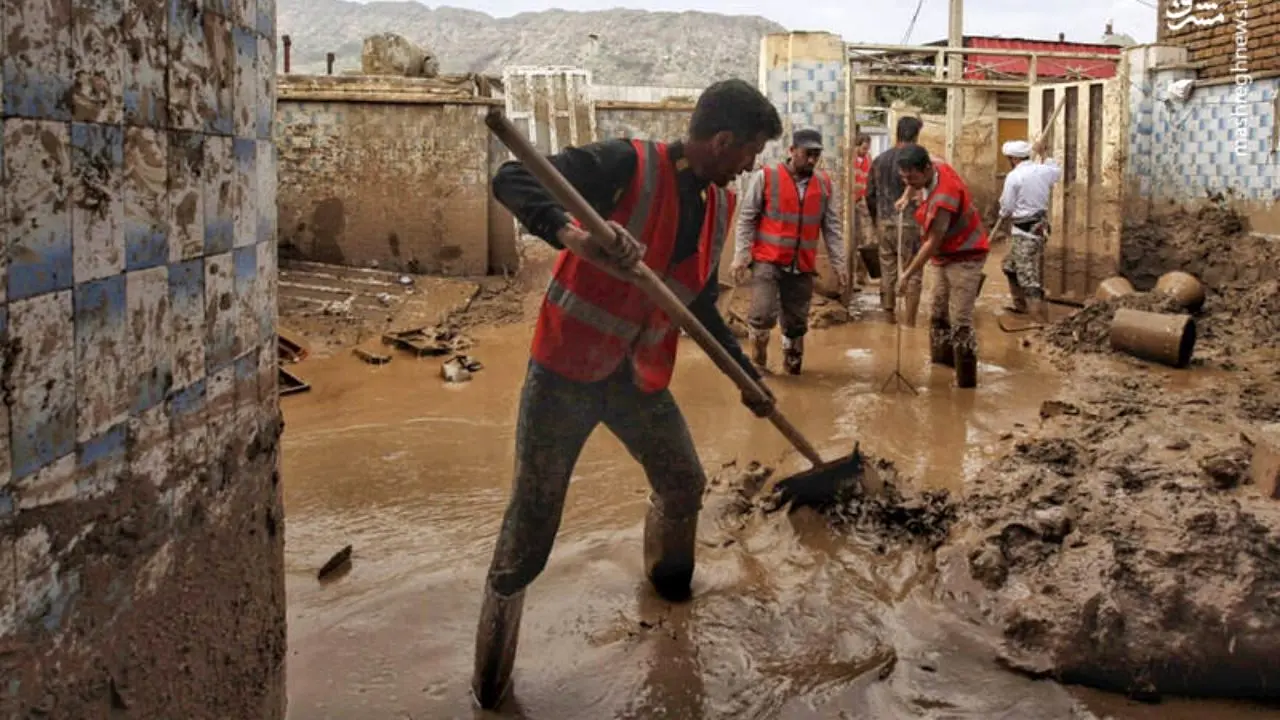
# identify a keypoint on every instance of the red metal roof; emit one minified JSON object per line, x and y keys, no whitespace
{"x":979,"y":67}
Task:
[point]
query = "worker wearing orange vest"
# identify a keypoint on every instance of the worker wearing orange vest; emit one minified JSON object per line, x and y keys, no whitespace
{"x":956,"y":244}
{"x":604,"y":353}
{"x":785,"y":209}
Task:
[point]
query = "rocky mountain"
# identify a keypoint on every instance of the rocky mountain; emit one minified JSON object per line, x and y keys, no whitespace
{"x":620,"y":47}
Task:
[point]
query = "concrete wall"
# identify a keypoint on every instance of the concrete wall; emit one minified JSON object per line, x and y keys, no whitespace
{"x":651,"y":121}
{"x":1223,"y":139}
{"x":141,"y":567}
{"x":1226,"y":38}
{"x":387,"y":171}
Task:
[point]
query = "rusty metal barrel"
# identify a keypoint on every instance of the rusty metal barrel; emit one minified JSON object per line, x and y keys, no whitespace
{"x":1183,"y":287}
{"x":1158,"y":337}
{"x":1114,"y":287}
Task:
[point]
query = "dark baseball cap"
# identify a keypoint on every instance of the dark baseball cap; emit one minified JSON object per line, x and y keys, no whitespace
{"x":807,"y":140}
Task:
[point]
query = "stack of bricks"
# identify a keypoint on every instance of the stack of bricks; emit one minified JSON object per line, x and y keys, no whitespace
{"x":1211,"y":36}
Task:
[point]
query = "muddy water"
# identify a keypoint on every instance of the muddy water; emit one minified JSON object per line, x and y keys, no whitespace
{"x":787,"y":621}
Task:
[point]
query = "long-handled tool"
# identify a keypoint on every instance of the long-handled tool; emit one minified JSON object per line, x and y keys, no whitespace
{"x":837,"y":477}
{"x":897,"y":375}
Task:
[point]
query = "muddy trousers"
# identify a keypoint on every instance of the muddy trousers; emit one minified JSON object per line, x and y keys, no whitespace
{"x":777,"y":294}
{"x":889,"y":265}
{"x":556,"y":417}
{"x":952,"y":341}
{"x":1022,"y":266}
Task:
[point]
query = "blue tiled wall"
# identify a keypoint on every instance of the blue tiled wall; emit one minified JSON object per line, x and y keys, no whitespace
{"x":1219,"y":139}
{"x":810,"y":94}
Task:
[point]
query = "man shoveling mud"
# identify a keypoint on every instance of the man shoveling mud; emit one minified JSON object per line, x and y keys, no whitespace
{"x":784,"y":210}
{"x":1025,"y":203}
{"x":956,"y":244}
{"x":604,"y":353}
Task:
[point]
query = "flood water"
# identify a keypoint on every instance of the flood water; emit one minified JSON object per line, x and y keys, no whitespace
{"x":788,"y":620}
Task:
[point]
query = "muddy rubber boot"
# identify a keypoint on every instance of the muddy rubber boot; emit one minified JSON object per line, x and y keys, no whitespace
{"x":1019,"y":296}
{"x":759,"y":347}
{"x":792,"y":354}
{"x":940,"y":350}
{"x":496,"y":640}
{"x":966,"y":359}
{"x":1038,"y":309}
{"x":669,"y":552}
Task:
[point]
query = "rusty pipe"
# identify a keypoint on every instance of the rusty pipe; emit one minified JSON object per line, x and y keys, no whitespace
{"x":1114,"y":287}
{"x":1183,"y":288}
{"x":328,"y":61}
{"x":288,"y":52}
{"x":1158,"y":337}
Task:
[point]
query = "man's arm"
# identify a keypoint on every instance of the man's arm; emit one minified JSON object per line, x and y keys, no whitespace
{"x":704,"y":308}
{"x":600,"y":171}
{"x":749,"y":203}
{"x":1009,"y":196}
{"x":833,"y":233}
{"x":932,"y":243}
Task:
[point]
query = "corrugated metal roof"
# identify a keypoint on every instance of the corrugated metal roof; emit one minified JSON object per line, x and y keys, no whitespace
{"x":978,"y":67}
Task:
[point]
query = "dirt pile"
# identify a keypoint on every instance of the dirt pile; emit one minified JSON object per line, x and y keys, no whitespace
{"x":1123,"y":548}
{"x":1089,"y":330}
{"x":1211,"y":243}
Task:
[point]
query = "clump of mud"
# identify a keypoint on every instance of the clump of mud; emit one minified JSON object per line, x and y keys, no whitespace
{"x":1124,"y":548}
{"x":1211,"y":243}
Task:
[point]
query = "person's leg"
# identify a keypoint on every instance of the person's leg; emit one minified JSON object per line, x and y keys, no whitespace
{"x":965,"y":282}
{"x":940,"y":351}
{"x":555,"y":419}
{"x":654,"y":431}
{"x":763,"y":314}
{"x":796,"y":291}
{"x":1028,"y":261}
{"x":1010,"y":268}
{"x":911,"y":246}
{"x":889,"y":268}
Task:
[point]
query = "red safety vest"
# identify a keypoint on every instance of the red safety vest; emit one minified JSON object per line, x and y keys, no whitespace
{"x":590,"y":321}
{"x":786,"y":227}
{"x":861,"y":168}
{"x":965,"y":239}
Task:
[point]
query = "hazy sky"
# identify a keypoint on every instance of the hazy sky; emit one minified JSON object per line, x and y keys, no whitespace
{"x":885,"y":21}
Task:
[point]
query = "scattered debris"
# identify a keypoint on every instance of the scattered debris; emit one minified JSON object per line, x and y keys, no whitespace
{"x":289,"y":384}
{"x":371,"y":357}
{"x":289,"y":349}
{"x":459,"y":368}
{"x":428,"y":341}
{"x":340,"y":559}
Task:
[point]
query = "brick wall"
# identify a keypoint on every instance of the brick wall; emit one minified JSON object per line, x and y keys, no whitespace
{"x":1215,"y":40}
{"x":141,"y":565}
{"x":400,"y":184}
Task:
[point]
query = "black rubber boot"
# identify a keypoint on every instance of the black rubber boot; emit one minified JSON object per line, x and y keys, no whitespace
{"x":793,"y":354}
{"x":759,"y":347}
{"x":940,"y":351}
{"x":496,"y":640}
{"x":966,"y":358}
{"x":669,"y":552}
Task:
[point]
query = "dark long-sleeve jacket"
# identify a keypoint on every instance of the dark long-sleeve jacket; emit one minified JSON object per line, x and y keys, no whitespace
{"x":601,"y":172}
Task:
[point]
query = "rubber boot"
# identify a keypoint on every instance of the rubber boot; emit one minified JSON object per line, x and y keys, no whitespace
{"x":1038,"y":309}
{"x":496,"y":640}
{"x":792,"y":354}
{"x":1019,"y":295}
{"x":966,"y":359}
{"x":940,"y":350}
{"x":759,"y":347}
{"x":669,"y":552}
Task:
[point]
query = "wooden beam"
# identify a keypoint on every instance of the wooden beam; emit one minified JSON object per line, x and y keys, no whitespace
{"x":931,"y":81}
{"x":860,"y":50}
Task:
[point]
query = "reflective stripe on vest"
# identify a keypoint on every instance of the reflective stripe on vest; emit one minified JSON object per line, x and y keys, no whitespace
{"x":782,"y":231}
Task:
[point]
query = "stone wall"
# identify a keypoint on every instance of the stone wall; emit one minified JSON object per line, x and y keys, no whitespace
{"x":141,"y":567}
{"x":1237,"y":34}
{"x":387,"y":171}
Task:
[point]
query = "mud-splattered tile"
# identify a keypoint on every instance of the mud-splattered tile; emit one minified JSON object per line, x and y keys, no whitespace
{"x":102,"y":356}
{"x":246,"y":82}
{"x":267,"y":19}
{"x":100,"y":462}
{"x":97,"y":61}
{"x":37,"y":77}
{"x":248,"y":411}
{"x":245,"y":191}
{"x":4,"y":205}
{"x":97,"y":202}
{"x":187,"y":416}
{"x":150,"y":337}
{"x":190,"y":95}
{"x":6,"y":465}
{"x":219,"y":175}
{"x":220,"y":406}
{"x":146,"y":198}
{"x":264,"y":301}
{"x":186,"y":307}
{"x":265,"y":91}
{"x":244,"y":13}
{"x":39,"y":221}
{"x":268,"y":371}
{"x":186,"y":196}
{"x":220,"y":312}
{"x":222,"y":72}
{"x":219,"y":7}
{"x":150,"y":445}
{"x":267,"y":212}
{"x":51,"y":484}
{"x":146,"y":56}
{"x":245,"y":260}
{"x":43,"y":413}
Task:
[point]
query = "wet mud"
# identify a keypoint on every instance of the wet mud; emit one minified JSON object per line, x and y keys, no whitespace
{"x":866,"y":609}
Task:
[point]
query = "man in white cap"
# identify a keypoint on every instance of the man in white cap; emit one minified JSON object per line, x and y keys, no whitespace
{"x":1025,"y":204}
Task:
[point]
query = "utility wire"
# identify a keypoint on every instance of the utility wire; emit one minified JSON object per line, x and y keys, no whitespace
{"x":912,"y":25}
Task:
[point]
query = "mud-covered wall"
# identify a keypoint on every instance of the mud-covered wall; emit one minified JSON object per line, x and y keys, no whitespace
{"x":650,"y":121}
{"x":141,"y":567}
{"x":385,"y":171}
{"x":1222,"y":140}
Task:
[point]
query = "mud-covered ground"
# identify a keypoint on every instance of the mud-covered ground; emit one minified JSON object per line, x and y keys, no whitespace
{"x":1132,"y":541}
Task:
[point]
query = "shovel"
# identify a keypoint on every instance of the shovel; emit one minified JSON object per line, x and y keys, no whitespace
{"x":826,"y":481}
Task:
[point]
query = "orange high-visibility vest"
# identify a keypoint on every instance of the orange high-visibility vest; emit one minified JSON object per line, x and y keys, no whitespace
{"x":965,"y":239}
{"x":789,"y":228}
{"x":861,"y":169}
{"x":591,"y":321}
